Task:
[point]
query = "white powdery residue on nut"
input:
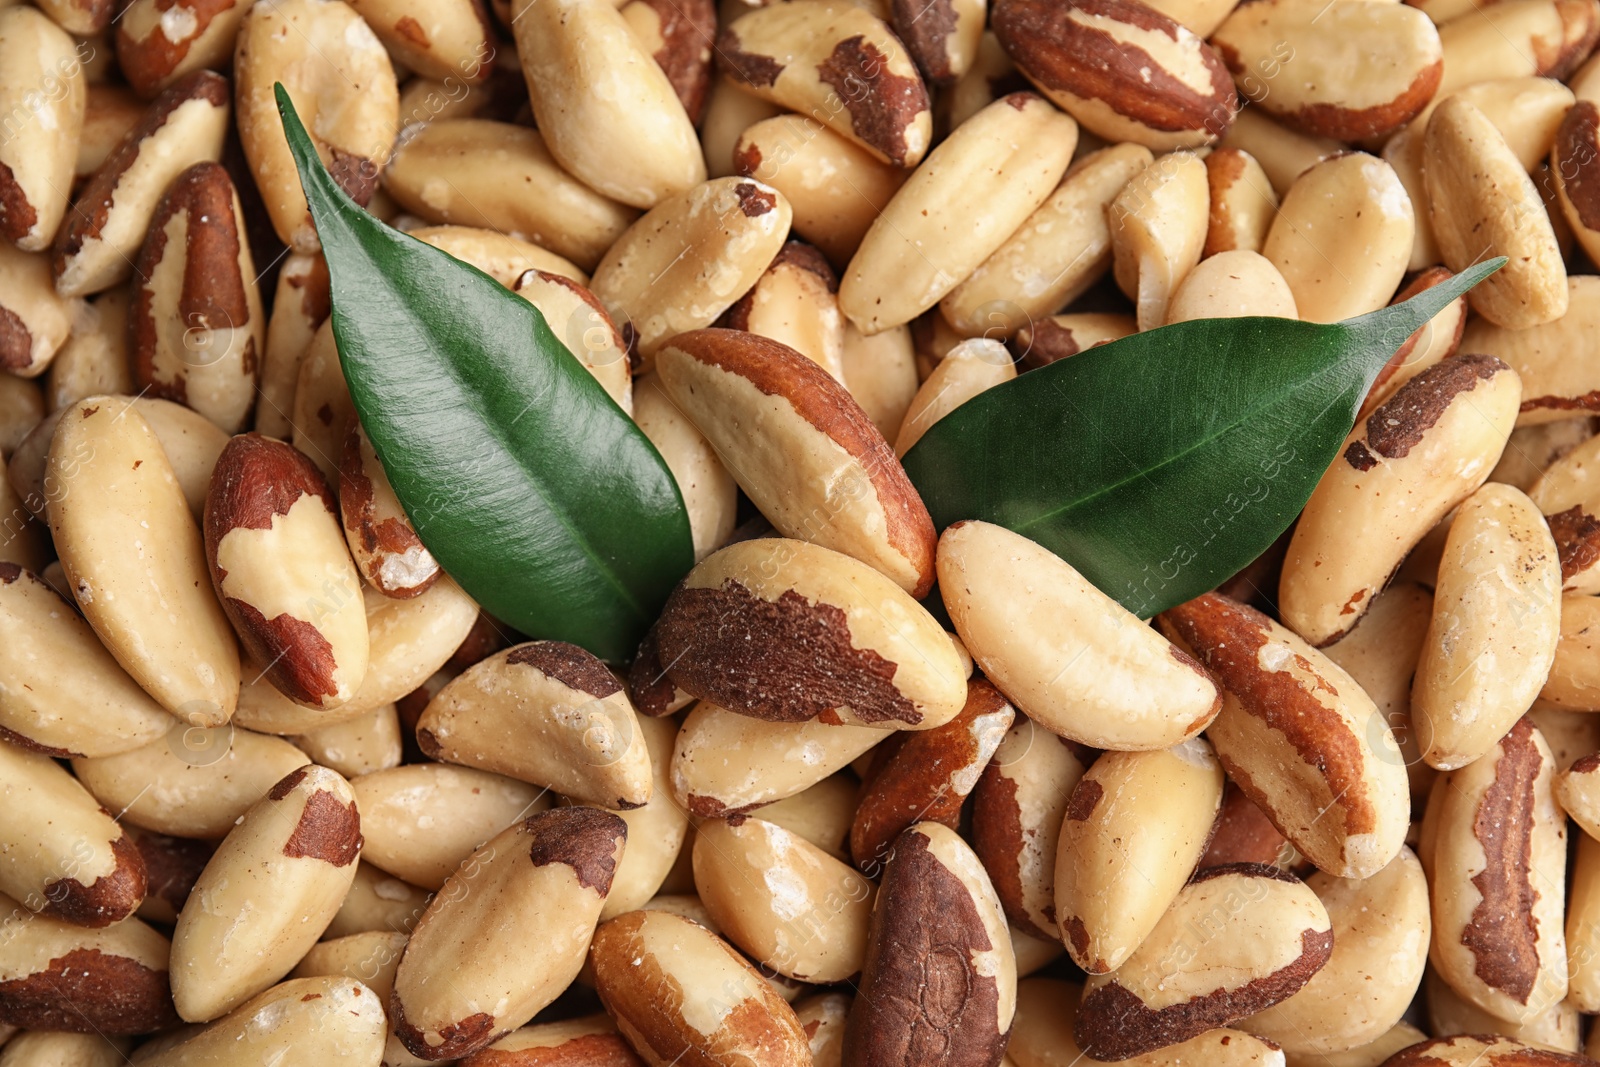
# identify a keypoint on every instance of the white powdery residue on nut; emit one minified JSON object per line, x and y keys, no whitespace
{"x":178,"y":24}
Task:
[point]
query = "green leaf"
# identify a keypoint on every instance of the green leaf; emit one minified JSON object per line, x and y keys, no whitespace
{"x":1160,"y":464}
{"x":529,"y":485}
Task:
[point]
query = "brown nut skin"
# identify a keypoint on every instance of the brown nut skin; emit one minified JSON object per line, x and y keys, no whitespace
{"x":939,"y":984}
{"x":43,"y":95}
{"x":1481,"y":1050}
{"x":680,"y":36}
{"x":1575,"y":166}
{"x":385,"y":546}
{"x":1264,"y":931}
{"x":1559,"y":362}
{"x":589,"y":1041}
{"x":1438,"y":339}
{"x":1122,"y":69}
{"x":1243,"y":833}
{"x":159,"y":41}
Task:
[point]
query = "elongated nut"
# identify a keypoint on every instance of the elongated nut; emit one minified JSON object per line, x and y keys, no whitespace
{"x":881,"y":373}
{"x":1342,"y":237}
{"x":474,"y":172}
{"x":970,"y":368}
{"x":437,"y":40}
{"x":1496,"y":621}
{"x":1381,"y":933}
{"x":422,"y":821}
{"x":60,"y":854}
{"x":1480,"y":1050}
{"x":656,"y":831}
{"x":941,"y":35}
{"x":1059,"y":336}
{"x":160,"y":41}
{"x":926,"y":776}
{"x":1497,"y":895}
{"x":608,"y":113}
{"x":1243,"y":203}
{"x":1123,"y":69}
{"x":1420,"y":453}
{"x":94,"y":359}
{"x":1574,"y":680}
{"x":1437,"y":339}
{"x":589,"y":1039}
{"x":1577,"y":174}
{"x":1527,"y":111}
{"x":971,"y":194}
{"x":685,"y":262}
{"x":1135,"y":826}
{"x":796,"y":304}
{"x":1448,"y":1014}
{"x":1526,"y":37}
{"x":1284,"y":153}
{"x":386,"y":549}
{"x":729,"y":112}
{"x":343,"y":87}
{"x":829,"y":477}
{"x":1345,"y":70}
{"x":939,"y":984}
{"x":34,"y":320}
{"x":301,"y":304}
{"x":330,"y":1019}
{"x":709,"y":491}
{"x":132,"y":553}
{"x":1112,"y":683}
{"x":43,"y":95}
{"x":358,"y":746}
{"x":281,"y":569}
{"x":501,"y":256}
{"x":680,"y":38}
{"x":582,"y":324}
{"x":1299,"y":737}
{"x":97,"y":244}
{"x":197,"y":329}
{"x":57,"y":975}
{"x":1558,"y":361}
{"x":1583,"y":911}
{"x":1158,"y":227}
{"x":1237,"y":940}
{"x":1484,"y":204}
{"x":377,"y":902}
{"x":839,"y":64}
{"x":1232,"y":285}
{"x":196,"y":784}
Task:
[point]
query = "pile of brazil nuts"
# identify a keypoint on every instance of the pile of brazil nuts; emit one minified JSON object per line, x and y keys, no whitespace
{"x":274,"y":791}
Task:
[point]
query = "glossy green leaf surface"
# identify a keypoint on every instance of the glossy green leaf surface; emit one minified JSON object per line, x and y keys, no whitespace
{"x":1160,"y":464}
{"x":532,"y":488}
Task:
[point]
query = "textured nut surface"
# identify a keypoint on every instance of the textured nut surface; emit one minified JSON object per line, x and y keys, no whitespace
{"x":159,"y":41}
{"x":1448,"y":1015}
{"x":1060,"y":336}
{"x":1231,"y":285}
{"x":43,"y":95}
{"x":1558,"y":361}
{"x":656,"y":831}
{"x":448,"y":39}
{"x":501,"y":256}
{"x":1023,"y":613}
{"x":941,"y":35}
{"x":1158,"y":228}
{"x":1437,"y":339}
{"x":582,"y":324}
{"x":377,"y":902}
{"x":802,"y":449}
{"x":358,"y":746}
{"x":1243,"y":202}
{"x":587,"y":1041}
{"x":679,"y":37}
{"x":34,"y":320}
{"x":333,"y":1019}
{"x":795,"y":302}
{"x":1284,"y":153}
{"x":386,"y":549}
{"x":1485,"y":1050}
{"x":94,"y":359}
{"x":968,"y":369}
{"x":881,"y":373}
{"x":1299,"y":737}
{"x":1526,"y":37}
{"x":1583,"y":911}
{"x":710,"y":494}
{"x":300,"y":305}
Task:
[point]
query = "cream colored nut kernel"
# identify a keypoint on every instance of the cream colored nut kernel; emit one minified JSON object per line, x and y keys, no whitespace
{"x":343,"y":86}
{"x":548,"y":875}
{"x":1059,"y":336}
{"x":1578,"y":791}
{"x":581,"y":323}
{"x":568,"y":1043}
{"x":135,"y":561}
{"x":1407,"y":152}
{"x":1400,"y":1036}
{"x":377,"y":902}
{"x":1284,"y":154}
{"x":39,"y":1048}
{"x":282,"y":571}
{"x":1496,"y":622}
{"x":1134,"y":829}
{"x":941,"y":35}
{"x":1484,"y":204}
{"x":679,"y":37}
{"x":423,"y":820}
{"x":1480,"y":1050}
{"x":1434,"y":341}
{"x":501,"y":256}
{"x":366,"y":745}
{"x":1533,"y":451}
{"x":1575,"y":165}
{"x":787,"y":631}
{"x":1346,"y":69}
{"x":795,"y":302}
{"x":687,"y":260}
{"x":23,"y":542}
{"x":783,"y":900}
{"x":1068,"y":656}
{"x":881,"y":374}
{"x":160,"y":41}
{"x":1448,"y":1015}
{"x":959,"y":207}
{"x":1041,"y":1035}
{"x":1061,"y":250}
{"x":60,"y":854}
{"x":823,"y":1016}
{"x":1243,"y":203}
{"x":1418,"y":455}
{"x":608,"y":113}
{"x":386,"y":549}
{"x":43,"y":95}
{"x":935,"y":903}
{"x":1527,"y":111}
{"x":821,"y":814}
{"x":327,"y":1019}
{"x":1232,"y":285}
{"x":1343,"y":237}
{"x":1497,"y":897}
{"x":656,"y":831}
{"x":56,"y":974}
{"x":1299,"y":737}
{"x":1574,"y":681}
{"x":583,"y":736}
{"x":1559,"y":362}
{"x":81,"y":18}
{"x":821,"y":473}
{"x":196,"y":327}
{"x":323,"y":411}
{"x":266,"y":895}
{"x":709,"y":492}
{"x":991,"y":75}
{"x":776,"y":759}
{"x":1017,"y":811}
{"x":836,"y":187}
{"x":838,"y":64}
{"x":1237,"y":940}
{"x":1583,"y":911}
{"x":34,"y":320}
{"x":1158,"y":227}
{"x":1123,"y":69}
{"x":301,"y":304}
{"x":729,"y":111}
{"x":970,"y":368}
{"x":94,"y":359}
{"x":437,"y":40}
{"x":96,"y":246}
{"x":1519,"y":38}
{"x":370,"y":957}
{"x":22,"y":406}
{"x":499,"y":176}
{"x":1381,"y":932}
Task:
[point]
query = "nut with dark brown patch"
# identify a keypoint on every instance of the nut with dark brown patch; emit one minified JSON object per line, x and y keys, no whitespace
{"x":437,"y":39}
{"x":196,"y":327}
{"x":97,"y":244}
{"x":1499,"y":869}
{"x":1578,"y":791}
{"x":939,"y":983}
{"x":941,"y":35}
{"x":1418,"y":455}
{"x":1237,"y":940}
{"x":679,"y":36}
{"x":1437,"y":339}
{"x":548,"y":875}
{"x":386,"y":549}
{"x":34,"y":320}
{"x":266,"y":894}
{"x":43,"y":96}
{"x":839,"y":64}
{"x":580,"y":735}
{"x":584,"y":327}
{"x":587,"y":1041}
{"x":1046,"y":340}
{"x":330,"y":1019}
{"x":796,"y":303}
{"x":159,"y":41}
{"x":787,"y":631}
{"x":1243,"y":202}
{"x":172,"y":866}
{"x":1575,"y":166}
{"x":282,"y":571}
{"x":1123,"y":69}
{"x":1547,"y":38}
{"x":1481,"y":1050}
